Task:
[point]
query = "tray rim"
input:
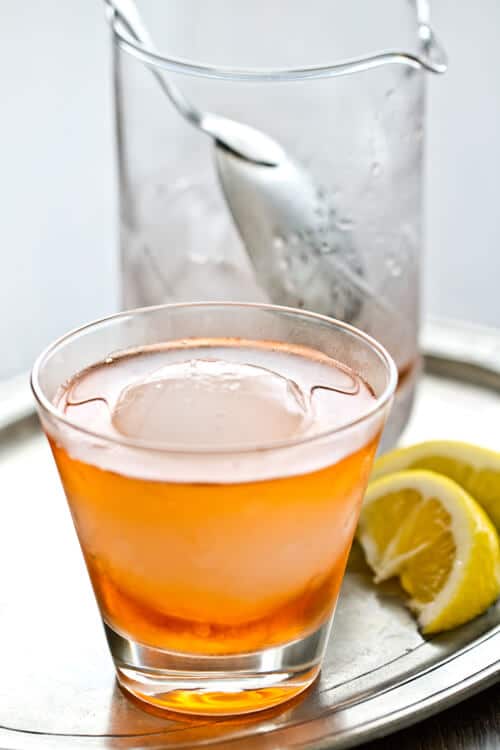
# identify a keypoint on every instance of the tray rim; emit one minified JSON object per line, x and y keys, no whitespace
{"x":446,"y":346}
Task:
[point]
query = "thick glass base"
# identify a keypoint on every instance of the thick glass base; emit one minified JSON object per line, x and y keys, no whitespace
{"x":216,"y":685}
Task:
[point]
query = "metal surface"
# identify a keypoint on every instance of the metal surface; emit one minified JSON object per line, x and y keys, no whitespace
{"x":57,"y":687}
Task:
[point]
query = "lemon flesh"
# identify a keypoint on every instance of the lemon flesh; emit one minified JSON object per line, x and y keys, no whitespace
{"x":426,"y":530}
{"x":475,"y":469}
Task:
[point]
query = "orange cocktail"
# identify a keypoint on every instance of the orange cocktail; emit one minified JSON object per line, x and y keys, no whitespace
{"x":215,"y":485}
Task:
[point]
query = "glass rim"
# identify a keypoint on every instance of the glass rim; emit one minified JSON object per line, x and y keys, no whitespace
{"x":184,"y":66}
{"x":47,"y":406}
{"x":178,"y":64}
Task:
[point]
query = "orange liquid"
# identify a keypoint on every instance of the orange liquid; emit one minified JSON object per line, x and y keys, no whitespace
{"x":214,"y":567}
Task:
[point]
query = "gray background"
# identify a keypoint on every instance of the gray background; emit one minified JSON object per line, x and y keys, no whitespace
{"x":58,"y":257}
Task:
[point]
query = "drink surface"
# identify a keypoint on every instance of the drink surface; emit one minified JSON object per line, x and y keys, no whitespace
{"x":216,"y":394}
{"x":232,"y":565}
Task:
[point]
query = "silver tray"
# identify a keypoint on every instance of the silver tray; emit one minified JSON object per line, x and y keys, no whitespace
{"x":56,"y":679}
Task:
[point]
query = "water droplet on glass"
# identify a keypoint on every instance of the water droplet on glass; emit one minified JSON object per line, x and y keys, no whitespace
{"x":278,"y":242}
{"x":198,"y":259}
{"x":376,"y":168}
{"x":393,"y":266}
{"x":283,"y":264}
{"x":294,"y":239}
{"x":344,"y":223}
{"x":390,"y":92}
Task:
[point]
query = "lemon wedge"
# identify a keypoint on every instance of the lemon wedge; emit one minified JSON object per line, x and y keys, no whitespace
{"x":475,"y":469}
{"x":425,"y":529}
